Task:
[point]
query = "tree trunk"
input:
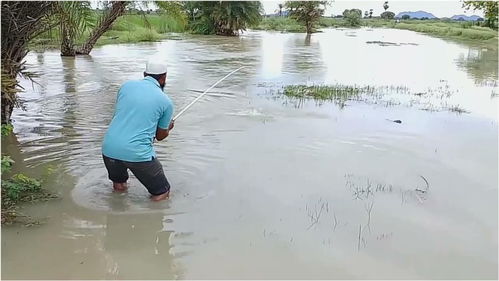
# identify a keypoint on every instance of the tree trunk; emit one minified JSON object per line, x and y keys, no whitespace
{"x":67,"y":46}
{"x":105,"y":23}
{"x":7,"y":107}
{"x":309,"y":27}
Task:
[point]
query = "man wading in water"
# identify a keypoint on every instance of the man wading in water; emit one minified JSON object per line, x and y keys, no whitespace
{"x":143,"y":112}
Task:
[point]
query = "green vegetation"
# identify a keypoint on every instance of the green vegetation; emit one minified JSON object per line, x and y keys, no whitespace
{"x":19,"y":186}
{"x":7,"y":129}
{"x":126,"y":29}
{"x":387,"y":15}
{"x":442,"y":28}
{"x":73,"y":18}
{"x":19,"y":189}
{"x":434,"y":99}
{"x":489,"y":8}
{"x":306,"y":12}
{"x":7,"y":163}
{"x":462,"y":30}
{"x":322,"y":92}
{"x":281,"y":24}
{"x":352,"y":17}
{"x":222,"y":17}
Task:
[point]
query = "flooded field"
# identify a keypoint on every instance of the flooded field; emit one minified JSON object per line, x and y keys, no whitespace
{"x":265,"y":185}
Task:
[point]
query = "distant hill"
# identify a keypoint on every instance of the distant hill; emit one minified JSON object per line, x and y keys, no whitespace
{"x":466,"y":18}
{"x":417,"y":15}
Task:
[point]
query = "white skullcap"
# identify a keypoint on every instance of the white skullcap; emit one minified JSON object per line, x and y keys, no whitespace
{"x":155,"y":65}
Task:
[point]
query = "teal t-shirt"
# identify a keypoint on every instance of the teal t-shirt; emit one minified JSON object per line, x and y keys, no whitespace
{"x":141,"y":107}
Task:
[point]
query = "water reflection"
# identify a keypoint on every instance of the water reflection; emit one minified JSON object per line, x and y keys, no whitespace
{"x":139,"y":245}
{"x":481,"y":64}
{"x":272,"y":53}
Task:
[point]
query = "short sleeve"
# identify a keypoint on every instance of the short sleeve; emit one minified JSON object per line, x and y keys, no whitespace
{"x":166,"y":118}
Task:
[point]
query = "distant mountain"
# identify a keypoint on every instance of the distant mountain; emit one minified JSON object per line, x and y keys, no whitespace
{"x":466,"y":18}
{"x":417,"y":15}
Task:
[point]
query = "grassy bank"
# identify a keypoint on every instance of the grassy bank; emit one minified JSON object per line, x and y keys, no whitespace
{"x":449,"y":29}
{"x":126,"y":29}
{"x":154,"y":27}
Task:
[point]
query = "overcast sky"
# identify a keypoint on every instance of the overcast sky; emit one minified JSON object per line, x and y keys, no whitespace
{"x":445,"y":8}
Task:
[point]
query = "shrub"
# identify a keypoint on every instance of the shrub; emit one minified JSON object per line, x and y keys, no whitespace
{"x":387,"y":15}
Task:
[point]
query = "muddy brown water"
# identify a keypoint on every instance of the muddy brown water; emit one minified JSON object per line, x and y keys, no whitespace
{"x":264,"y":186}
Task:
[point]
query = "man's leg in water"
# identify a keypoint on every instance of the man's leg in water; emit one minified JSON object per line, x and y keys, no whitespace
{"x":117,"y":173}
{"x":152,"y":176}
{"x":120,"y":187}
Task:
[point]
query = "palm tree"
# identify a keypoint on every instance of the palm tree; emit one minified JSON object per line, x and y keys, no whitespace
{"x":385,"y":6}
{"x":227,"y":18}
{"x":73,"y":17}
{"x":21,"y":21}
{"x":104,"y":23}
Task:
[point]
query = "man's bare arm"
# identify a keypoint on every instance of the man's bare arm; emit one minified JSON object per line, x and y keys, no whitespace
{"x":161,"y":134}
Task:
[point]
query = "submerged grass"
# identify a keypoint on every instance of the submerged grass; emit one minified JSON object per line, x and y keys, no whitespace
{"x":324,"y":92}
{"x":433,"y":99}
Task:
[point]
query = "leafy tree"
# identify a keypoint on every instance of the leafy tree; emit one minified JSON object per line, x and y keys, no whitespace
{"x":366,"y":14}
{"x":352,"y":16}
{"x":223,"y":17}
{"x":387,"y":15}
{"x":370,"y":13}
{"x":385,"y":5}
{"x":307,"y":12}
{"x":406,"y":17}
{"x":489,"y":8}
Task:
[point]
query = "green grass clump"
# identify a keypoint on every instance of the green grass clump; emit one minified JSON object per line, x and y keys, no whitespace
{"x":18,"y":189}
{"x":7,"y":129}
{"x":19,"y":186}
{"x":324,"y":92}
{"x":6,"y":163}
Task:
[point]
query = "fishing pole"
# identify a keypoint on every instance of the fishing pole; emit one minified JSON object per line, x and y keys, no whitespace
{"x":204,"y":93}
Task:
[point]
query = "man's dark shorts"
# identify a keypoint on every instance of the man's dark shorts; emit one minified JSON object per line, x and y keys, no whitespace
{"x":149,"y":173}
